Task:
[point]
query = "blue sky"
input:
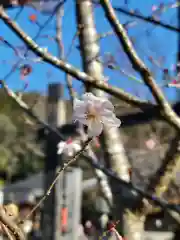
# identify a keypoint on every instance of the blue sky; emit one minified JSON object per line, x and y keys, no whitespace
{"x":159,"y":43}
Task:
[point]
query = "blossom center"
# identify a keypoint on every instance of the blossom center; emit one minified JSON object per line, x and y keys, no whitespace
{"x":91,"y":113}
{"x":69,"y":141}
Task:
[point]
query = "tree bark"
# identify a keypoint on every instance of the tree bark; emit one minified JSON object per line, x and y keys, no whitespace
{"x":111,"y":140}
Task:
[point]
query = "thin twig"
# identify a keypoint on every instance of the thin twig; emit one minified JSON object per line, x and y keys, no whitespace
{"x":147,"y":19}
{"x":64,"y":167}
{"x":169,"y":114}
{"x":60,"y":44}
{"x":139,"y":65}
{"x":68,"y":68}
{"x":161,"y":180}
{"x":157,"y":201}
{"x":35,"y":38}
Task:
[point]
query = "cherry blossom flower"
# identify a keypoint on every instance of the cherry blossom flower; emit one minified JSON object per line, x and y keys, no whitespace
{"x":69,"y":147}
{"x":94,"y":112}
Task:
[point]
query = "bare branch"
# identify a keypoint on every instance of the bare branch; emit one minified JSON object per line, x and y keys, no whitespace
{"x":104,"y":187}
{"x":147,"y":19}
{"x":7,"y":232}
{"x":59,"y":16}
{"x":157,"y":201}
{"x":64,"y":166}
{"x":12,"y":227}
{"x":161,"y":180}
{"x":139,"y":66}
{"x":85,"y":78}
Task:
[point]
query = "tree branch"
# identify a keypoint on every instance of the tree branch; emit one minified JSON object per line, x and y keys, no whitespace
{"x":12,"y":227}
{"x":147,"y":19}
{"x":64,"y":166}
{"x":85,"y":78}
{"x":76,"y":73}
{"x":161,"y":180}
{"x":7,"y":232}
{"x":139,"y":66}
{"x":157,"y":201}
{"x":59,"y":16}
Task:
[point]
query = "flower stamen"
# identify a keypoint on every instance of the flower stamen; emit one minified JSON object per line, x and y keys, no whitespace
{"x":91,"y":113}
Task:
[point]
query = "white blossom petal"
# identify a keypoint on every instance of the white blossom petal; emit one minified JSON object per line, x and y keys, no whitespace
{"x":107,"y":105}
{"x":77,"y":147}
{"x":94,"y":128}
{"x":69,"y":151}
{"x":107,"y":113}
{"x":79,"y":109}
{"x":89,"y":97}
{"x":111,"y":120}
{"x":98,"y":101}
{"x":79,"y":106}
{"x":61,"y":147}
{"x":77,"y":103}
{"x":80,"y":119}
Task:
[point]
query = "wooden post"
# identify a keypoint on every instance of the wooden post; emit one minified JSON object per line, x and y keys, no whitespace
{"x":56,"y":115}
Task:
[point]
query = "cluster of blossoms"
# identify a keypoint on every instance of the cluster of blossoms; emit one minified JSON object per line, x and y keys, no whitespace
{"x":94,"y":112}
{"x":69,"y":147}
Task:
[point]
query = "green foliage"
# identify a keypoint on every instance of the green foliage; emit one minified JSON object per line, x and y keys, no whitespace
{"x":15,"y":135}
{"x":7,"y":130}
{"x":4,"y":157}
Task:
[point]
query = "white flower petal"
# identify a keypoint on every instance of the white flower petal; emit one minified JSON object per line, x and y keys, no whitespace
{"x":77,"y":103}
{"x":69,"y":151}
{"x":80,"y":119}
{"x":107,"y":113}
{"x":89,"y":97}
{"x":94,"y":128}
{"x":79,"y":110}
{"x":61,"y":147}
{"x":111,"y":120}
{"x":99,"y":102}
{"x":79,"y":107}
{"x":77,"y":147}
{"x":107,"y":105}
